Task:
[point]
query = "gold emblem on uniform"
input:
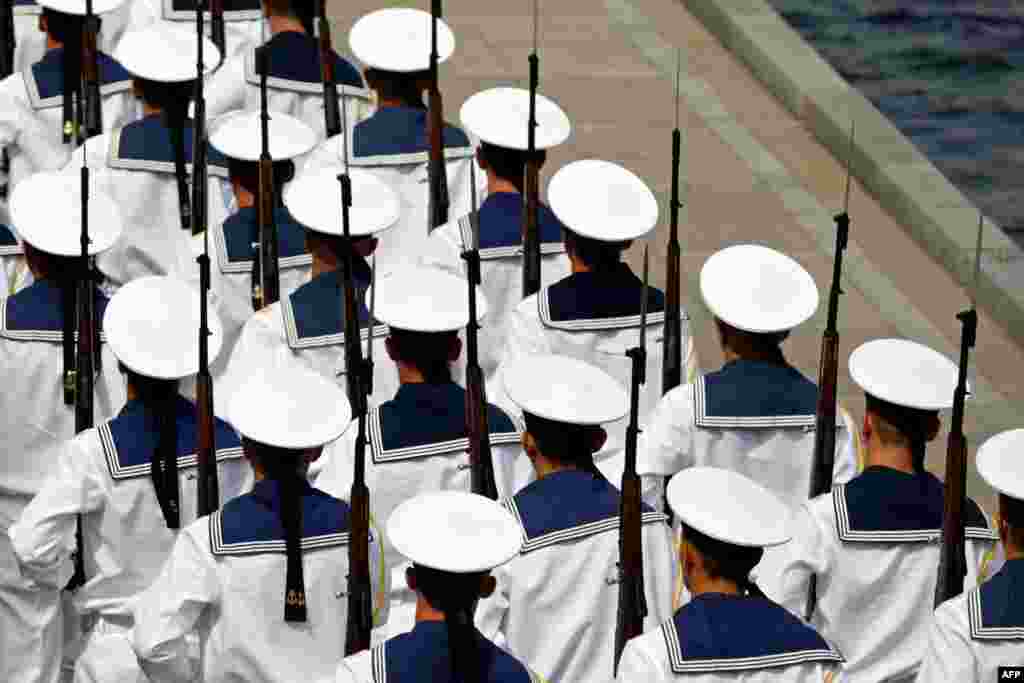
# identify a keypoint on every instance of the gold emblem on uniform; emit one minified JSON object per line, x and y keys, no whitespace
{"x":296,"y":598}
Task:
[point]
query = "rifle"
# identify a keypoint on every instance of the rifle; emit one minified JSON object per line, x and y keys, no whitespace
{"x":332,"y":120}
{"x":266,"y":282}
{"x":828,"y":375}
{"x":437,"y":212}
{"x":93,"y":115}
{"x":217,"y":31}
{"x":632,"y":601}
{"x":207,"y":489}
{"x":8,"y":42}
{"x":481,"y":465}
{"x":360,"y":598}
{"x":952,"y":563}
{"x":531,"y":234}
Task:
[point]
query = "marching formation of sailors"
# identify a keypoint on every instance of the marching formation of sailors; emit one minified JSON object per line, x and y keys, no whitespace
{"x":505,"y":492}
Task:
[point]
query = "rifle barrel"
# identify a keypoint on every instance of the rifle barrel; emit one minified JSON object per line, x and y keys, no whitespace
{"x":332,"y":118}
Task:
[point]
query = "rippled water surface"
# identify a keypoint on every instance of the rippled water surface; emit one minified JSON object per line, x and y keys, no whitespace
{"x":949,"y":74}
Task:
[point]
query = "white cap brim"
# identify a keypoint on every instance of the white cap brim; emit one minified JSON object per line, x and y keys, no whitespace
{"x":728,"y":507}
{"x":165,"y":52}
{"x":46,"y":210}
{"x":757,"y":289}
{"x":565,"y":389}
{"x":152,"y":326}
{"x":1000,"y":463}
{"x":602,"y":201}
{"x":398,"y":40}
{"x":423,"y":299}
{"x":239,"y":135}
{"x":314,"y":200}
{"x":904,"y":373}
{"x":454,"y":531}
{"x":501,"y":116}
{"x":78,"y":6}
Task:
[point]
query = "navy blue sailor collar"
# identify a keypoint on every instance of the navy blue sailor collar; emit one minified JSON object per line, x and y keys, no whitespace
{"x":395,"y":136}
{"x":429,"y":419}
{"x":295,"y":66}
{"x":145,"y":145}
{"x":36,"y":313}
{"x":996,"y":608}
{"x":501,"y":227}
{"x":312,"y":313}
{"x":251,"y":523}
{"x":598,"y":300}
{"x":884,"y":505}
{"x":235,"y":238}
{"x":44,"y":80}
{"x":27,"y":8}
{"x":234,"y":10}
{"x":720,"y":632}
{"x":568,"y":505}
{"x":129,"y":441}
{"x":9,"y":245}
{"x":422,"y":655}
{"x":747,"y":394}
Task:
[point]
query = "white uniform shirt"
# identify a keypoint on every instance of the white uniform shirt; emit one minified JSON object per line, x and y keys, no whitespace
{"x":243,"y":20}
{"x":556,"y":603}
{"x":977,"y":632}
{"x":873,"y":544}
{"x":226,"y":579}
{"x":14,"y":272}
{"x":416,"y":444}
{"x":727,"y":638}
{"x":393,"y":145}
{"x":501,"y":263}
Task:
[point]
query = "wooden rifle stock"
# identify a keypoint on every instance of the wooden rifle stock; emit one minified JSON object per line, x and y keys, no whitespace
{"x":93,"y":118}
{"x":436,"y":169}
{"x":267,"y":288}
{"x":332,"y":117}
{"x":531,"y":232}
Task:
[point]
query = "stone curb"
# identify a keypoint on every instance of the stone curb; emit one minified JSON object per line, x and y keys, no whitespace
{"x":936,"y":214}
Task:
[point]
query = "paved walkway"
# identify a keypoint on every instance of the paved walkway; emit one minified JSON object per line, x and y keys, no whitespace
{"x":753,"y":174}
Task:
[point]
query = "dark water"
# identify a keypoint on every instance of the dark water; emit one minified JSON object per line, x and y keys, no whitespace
{"x":949,"y":74}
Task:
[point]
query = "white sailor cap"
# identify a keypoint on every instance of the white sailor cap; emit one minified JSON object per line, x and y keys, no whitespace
{"x":46,"y":210}
{"x":1001,"y":465}
{"x":904,"y":373}
{"x":757,"y":289}
{"x":454,"y":531}
{"x":398,"y":39}
{"x":603,"y":201}
{"x":314,"y":200}
{"x":290,"y":407}
{"x":239,"y":135}
{"x":728,"y":507}
{"x":424,"y":299}
{"x":78,"y":6}
{"x":165,"y":52}
{"x":501,"y":116}
{"x":152,"y":325}
{"x":565,"y":389}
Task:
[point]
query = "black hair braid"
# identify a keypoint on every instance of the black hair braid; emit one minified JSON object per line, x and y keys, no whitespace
{"x":283,"y":467}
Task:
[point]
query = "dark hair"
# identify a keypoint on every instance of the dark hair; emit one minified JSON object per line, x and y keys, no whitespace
{"x":394,"y":85}
{"x":426,"y":351}
{"x":765,"y":343}
{"x":509,"y":164}
{"x":284,"y":466}
{"x":247,"y":173}
{"x":564,"y":443}
{"x":336,"y":244}
{"x":1012,"y":511}
{"x":173,"y":100}
{"x":911,"y":426}
{"x":65,"y":28}
{"x":456,"y":595}
{"x":158,"y":398}
{"x":594,"y":253}
{"x":726,"y":560}
{"x":303,"y":10}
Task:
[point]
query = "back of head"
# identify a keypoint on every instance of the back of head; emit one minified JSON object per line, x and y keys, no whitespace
{"x":428,"y":352}
{"x":456,"y":595}
{"x":64,"y":28}
{"x":509,"y":164}
{"x":595,"y":254}
{"x":904,"y":426}
{"x":247,"y":174}
{"x":566,"y":444}
{"x":405,"y":87}
{"x":726,"y":560}
{"x":303,"y":10}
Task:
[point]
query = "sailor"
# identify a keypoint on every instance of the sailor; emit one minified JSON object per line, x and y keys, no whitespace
{"x":394,"y":47}
{"x":454,"y":540}
{"x":756,"y":414}
{"x":144,"y":164}
{"x":567,"y":573}
{"x":871,"y":542}
{"x":307,"y":326}
{"x":980,"y":631}
{"x":243,"y":19}
{"x":294,"y":81}
{"x":594,"y":313}
{"x":235,"y":241}
{"x":262,"y":580}
{"x":728,"y":631}
{"x":417,"y":440}
{"x":33,"y":417}
{"x":132,"y":480}
{"x":30,"y":43}
{"x":499,"y":117}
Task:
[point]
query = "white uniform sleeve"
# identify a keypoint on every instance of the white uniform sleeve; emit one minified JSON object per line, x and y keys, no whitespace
{"x":225,"y":90}
{"x":638,"y":666}
{"x":659,"y":573}
{"x":19,"y":128}
{"x":666,"y":444}
{"x":355,"y":669}
{"x":325,"y":155}
{"x":525,"y":337}
{"x":44,"y":537}
{"x":169,"y":609}
{"x":490,"y":612}
{"x":849,"y":456}
{"x":948,"y":655}
{"x":440,"y":251}
{"x":805,"y":555}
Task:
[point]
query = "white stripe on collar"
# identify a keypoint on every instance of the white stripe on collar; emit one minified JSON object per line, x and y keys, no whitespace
{"x":316,"y":88}
{"x":409,"y":158}
{"x":56,"y":336}
{"x":594,"y":324}
{"x":575,"y":532}
{"x":171,"y":14}
{"x":38,"y":102}
{"x":379,"y":661}
{"x":981,"y":632}
{"x":119,"y":472}
{"x":229,"y":266}
{"x":336,"y":339}
{"x":219,"y":547}
{"x":12,"y":250}
{"x":380,"y":455}
{"x":114,"y":160}
{"x":27,"y":10}
{"x":702,"y":419}
{"x":515,"y":250}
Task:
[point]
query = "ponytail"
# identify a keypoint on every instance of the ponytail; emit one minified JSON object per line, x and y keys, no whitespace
{"x":456,"y":595}
{"x":282,"y":466}
{"x":159,"y":398}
